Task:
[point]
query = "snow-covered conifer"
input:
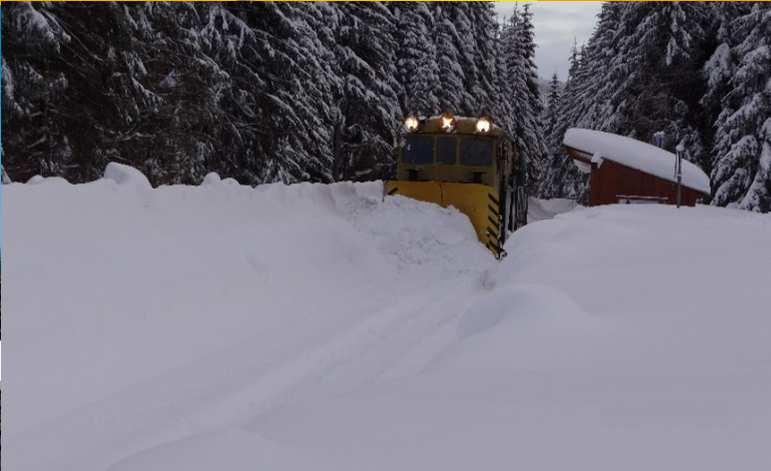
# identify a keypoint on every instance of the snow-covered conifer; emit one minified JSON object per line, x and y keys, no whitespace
{"x":369,"y":118}
{"x":742,"y":172}
{"x":33,"y":139}
{"x":523,"y":93}
{"x":655,"y":78}
{"x":450,"y":92}
{"x":485,"y":30}
{"x":551,"y":114}
{"x":416,"y":67}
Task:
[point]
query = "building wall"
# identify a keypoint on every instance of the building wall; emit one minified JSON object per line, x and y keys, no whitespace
{"x":611,"y":179}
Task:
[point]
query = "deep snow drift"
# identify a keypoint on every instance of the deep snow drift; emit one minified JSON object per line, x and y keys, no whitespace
{"x":317,"y":327}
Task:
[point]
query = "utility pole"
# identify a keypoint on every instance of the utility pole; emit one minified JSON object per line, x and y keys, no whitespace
{"x":679,"y":151}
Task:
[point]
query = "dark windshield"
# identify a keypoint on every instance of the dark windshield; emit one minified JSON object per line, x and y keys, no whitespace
{"x":446,"y":149}
{"x":476,"y":151}
{"x":419,"y":150}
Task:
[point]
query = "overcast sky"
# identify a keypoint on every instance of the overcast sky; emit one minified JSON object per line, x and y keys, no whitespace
{"x":556,"y":24}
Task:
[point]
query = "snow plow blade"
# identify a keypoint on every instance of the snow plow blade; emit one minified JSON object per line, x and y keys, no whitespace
{"x":478,"y":202}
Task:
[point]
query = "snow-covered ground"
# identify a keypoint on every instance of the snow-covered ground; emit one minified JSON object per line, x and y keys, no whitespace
{"x":317,"y":327}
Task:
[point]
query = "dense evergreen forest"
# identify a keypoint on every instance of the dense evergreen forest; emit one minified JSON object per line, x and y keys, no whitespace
{"x":261,"y":92}
{"x":266,"y":92}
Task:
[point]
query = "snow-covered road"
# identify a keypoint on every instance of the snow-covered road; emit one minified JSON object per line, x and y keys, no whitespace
{"x":318,"y":327}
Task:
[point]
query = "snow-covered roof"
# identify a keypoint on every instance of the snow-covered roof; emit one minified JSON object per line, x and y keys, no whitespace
{"x":635,"y":154}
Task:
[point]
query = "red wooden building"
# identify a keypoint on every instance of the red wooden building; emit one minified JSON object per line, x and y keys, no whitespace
{"x":625,"y":170}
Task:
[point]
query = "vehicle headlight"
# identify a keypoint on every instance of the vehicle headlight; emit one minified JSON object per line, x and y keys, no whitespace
{"x":484,"y":124}
{"x":411,"y":123}
{"x":447,"y":121}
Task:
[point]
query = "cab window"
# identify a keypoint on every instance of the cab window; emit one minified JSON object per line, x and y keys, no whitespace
{"x":476,"y":152}
{"x":419,"y":150}
{"x":446,"y":150}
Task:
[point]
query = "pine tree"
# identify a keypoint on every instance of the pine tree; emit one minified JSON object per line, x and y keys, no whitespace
{"x":416,"y":67}
{"x":524,"y":125}
{"x":551,"y":115}
{"x":574,"y":60}
{"x":561,"y":178}
{"x":278,"y":106}
{"x":33,"y":138}
{"x":742,"y":172}
{"x":296,"y":101}
{"x":369,"y":119}
{"x":105,"y":102}
{"x":465,"y":44}
{"x":173,"y":133}
{"x":502,"y":111}
{"x":450,"y":92}
{"x":720,"y":66}
{"x":484,"y":21}
{"x":595,"y":74}
{"x":652,"y":91}
{"x":566,"y":116}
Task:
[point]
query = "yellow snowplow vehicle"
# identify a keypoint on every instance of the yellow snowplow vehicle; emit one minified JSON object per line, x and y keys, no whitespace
{"x":467,"y":163}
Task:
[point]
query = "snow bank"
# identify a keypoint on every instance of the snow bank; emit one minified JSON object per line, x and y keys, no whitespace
{"x":126,"y":175}
{"x":319,"y":327}
{"x":635,"y":154}
{"x":211,"y":178}
{"x":129,"y":306}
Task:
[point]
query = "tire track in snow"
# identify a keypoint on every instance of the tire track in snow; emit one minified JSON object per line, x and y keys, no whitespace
{"x":354,"y":358}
